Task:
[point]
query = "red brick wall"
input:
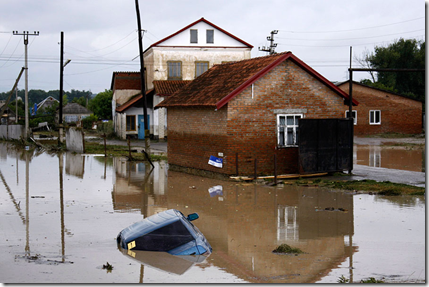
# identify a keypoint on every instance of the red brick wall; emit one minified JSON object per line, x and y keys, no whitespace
{"x":247,"y":126}
{"x":398,"y":114}
{"x":195,"y":134}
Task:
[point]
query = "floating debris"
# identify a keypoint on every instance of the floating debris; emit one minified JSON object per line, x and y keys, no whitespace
{"x":285,"y":248}
{"x":108,"y":266}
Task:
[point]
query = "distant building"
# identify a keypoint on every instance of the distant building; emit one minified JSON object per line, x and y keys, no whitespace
{"x":74,"y":113}
{"x":381,"y":111}
{"x":47,"y":103}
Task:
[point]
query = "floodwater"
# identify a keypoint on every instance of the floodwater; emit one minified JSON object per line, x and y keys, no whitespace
{"x":60,"y":215}
{"x":395,"y":157}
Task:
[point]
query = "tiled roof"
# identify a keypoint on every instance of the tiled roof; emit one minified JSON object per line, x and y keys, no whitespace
{"x":75,"y":108}
{"x":125,"y":81}
{"x":223,"y":82}
{"x":131,"y":102}
{"x":167,"y":88}
{"x":161,"y":88}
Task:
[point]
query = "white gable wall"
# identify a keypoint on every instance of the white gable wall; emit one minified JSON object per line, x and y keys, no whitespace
{"x":184,"y":38}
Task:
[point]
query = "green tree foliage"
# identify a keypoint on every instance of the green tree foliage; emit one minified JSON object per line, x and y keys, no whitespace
{"x":36,"y":96}
{"x":46,"y":114}
{"x":402,"y":54}
{"x":87,"y":122}
{"x":101,"y":105}
{"x":81,"y":101}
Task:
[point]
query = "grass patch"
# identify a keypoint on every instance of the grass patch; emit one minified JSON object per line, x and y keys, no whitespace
{"x":284,"y":248}
{"x":381,"y":188}
{"x":371,"y":280}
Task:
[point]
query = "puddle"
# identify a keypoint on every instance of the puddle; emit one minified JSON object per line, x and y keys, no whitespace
{"x":402,"y":158}
{"x":60,"y":215}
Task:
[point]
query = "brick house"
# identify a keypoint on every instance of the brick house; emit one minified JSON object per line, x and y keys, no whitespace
{"x":250,"y":110}
{"x":381,"y":111}
{"x":181,"y":56}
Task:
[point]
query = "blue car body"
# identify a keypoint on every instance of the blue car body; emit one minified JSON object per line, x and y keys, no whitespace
{"x":169,"y":231}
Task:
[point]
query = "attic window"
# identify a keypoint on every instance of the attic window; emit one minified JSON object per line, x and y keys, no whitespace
{"x":194,"y":36}
{"x":210,"y":36}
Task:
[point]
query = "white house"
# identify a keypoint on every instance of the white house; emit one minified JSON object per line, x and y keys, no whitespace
{"x":182,"y":56}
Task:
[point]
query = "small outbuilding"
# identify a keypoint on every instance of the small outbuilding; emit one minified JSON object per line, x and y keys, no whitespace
{"x":239,"y":112}
{"x":74,"y":113}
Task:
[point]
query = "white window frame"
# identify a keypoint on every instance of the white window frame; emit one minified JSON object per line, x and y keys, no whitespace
{"x":374,"y":112}
{"x":282,"y":130}
{"x":354,"y":115}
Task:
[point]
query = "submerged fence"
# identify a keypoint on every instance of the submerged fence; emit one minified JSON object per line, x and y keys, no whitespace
{"x":10,"y":132}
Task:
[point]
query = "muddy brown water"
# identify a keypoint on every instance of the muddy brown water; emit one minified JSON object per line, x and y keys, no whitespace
{"x":60,"y":215}
{"x":395,"y":157}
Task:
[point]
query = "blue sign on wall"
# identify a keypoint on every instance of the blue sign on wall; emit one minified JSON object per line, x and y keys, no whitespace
{"x":215,"y":161}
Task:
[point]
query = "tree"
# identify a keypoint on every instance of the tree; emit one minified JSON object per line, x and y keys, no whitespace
{"x":402,"y":54}
{"x":81,"y":101}
{"x":101,"y":105}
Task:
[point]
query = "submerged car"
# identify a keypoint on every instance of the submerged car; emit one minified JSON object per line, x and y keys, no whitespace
{"x":169,"y":231}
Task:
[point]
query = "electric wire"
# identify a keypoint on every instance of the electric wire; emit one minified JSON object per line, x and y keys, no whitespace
{"x":348,"y":30}
{"x":6,"y":45}
{"x":359,"y":38}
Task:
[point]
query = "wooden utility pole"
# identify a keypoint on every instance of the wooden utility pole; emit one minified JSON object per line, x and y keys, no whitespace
{"x":143,"y":88}
{"x":351,"y":113}
{"x":26,"y":34}
{"x":4,"y":107}
{"x":60,"y":112}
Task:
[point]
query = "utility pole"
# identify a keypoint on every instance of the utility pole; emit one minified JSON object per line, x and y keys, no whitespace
{"x":16,"y":106}
{"x":60,"y":114}
{"x":272,"y":46}
{"x":143,"y":88}
{"x":351,"y":112}
{"x":26,"y":34}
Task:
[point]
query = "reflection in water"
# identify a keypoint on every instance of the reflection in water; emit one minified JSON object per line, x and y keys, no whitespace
{"x":250,"y":221}
{"x":390,"y":157}
{"x":85,"y":209}
{"x":164,"y":261}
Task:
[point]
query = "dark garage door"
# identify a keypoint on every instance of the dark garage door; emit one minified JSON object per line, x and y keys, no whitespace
{"x":325,"y":145}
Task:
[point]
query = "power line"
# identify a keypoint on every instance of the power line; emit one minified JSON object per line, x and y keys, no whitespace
{"x":339,"y":31}
{"x":378,"y":36}
{"x":113,"y":43}
{"x":343,"y":45}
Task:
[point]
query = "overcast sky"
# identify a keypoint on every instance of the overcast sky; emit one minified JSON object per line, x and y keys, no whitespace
{"x":100,"y":36}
